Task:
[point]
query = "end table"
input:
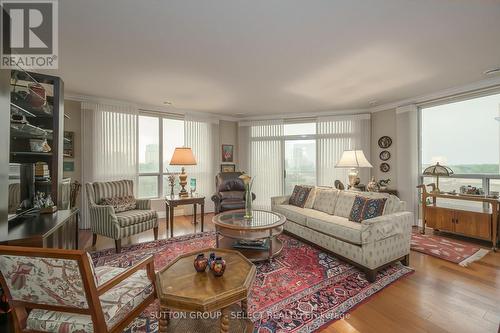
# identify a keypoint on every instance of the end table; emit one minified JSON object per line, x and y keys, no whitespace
{"x":172,"y":201}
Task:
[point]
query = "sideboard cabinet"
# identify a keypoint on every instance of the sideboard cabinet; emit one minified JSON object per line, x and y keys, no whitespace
{"x":480,"y":221}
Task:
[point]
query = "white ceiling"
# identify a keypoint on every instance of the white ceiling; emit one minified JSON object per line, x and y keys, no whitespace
{"x":242,"y":57}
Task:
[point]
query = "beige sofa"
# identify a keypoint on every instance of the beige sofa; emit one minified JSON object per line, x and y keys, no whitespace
{"x":371,"y":244}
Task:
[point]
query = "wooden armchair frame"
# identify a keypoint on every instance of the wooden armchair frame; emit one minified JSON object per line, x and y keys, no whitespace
{"x":20,"y":309}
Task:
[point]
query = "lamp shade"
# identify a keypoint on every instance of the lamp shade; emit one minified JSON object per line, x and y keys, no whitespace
{"x":183,"y":156}
{"x":353,"y":159}
{"x":438,"y":170}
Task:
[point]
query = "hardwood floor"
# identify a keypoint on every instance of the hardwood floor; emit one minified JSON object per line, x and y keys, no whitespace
{"x":439,"y":297}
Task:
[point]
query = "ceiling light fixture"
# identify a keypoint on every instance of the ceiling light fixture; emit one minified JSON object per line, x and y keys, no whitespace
{"x":373,"y":102}
{"x":167,"y":103}
{"x":492,"y":71}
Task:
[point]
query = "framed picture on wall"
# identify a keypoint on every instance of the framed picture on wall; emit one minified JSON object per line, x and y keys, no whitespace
{"x":68,"y":145}
{"x":228,"y":168}
{"x":227,"y":153}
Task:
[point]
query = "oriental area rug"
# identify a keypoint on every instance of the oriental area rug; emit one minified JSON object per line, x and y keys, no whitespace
{"x":303,"y":289}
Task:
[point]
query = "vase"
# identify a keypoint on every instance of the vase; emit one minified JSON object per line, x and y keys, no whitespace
{"x":248,"y":203}
{"x":200,"y":263}
{"x":219,"y":266}
{"x":211,"y":260}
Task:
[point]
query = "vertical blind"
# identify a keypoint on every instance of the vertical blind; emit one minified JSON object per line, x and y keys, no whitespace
{"x":109,"y":145}
{"x":266,"y":166}
{"x":336,"y":134}
{"x":262,"y":150}
{"x":200,"y":136}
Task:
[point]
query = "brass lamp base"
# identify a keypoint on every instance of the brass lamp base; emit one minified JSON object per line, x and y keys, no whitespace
{"x":353,"y":177}
{"x":183,"y":182}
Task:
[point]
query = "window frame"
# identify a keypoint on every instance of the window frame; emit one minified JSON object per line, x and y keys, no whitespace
{"x":485,"y":178}
{"x":160,"y":175}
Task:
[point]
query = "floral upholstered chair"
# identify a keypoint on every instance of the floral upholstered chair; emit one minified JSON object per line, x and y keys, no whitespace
{"x":115,"y":213}
{"x":57,"y":291}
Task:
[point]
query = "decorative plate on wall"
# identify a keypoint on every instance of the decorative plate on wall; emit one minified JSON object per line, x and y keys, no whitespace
{"x":384,"y":155}
{"x":384,"y":142}
{"x":384,"y":167}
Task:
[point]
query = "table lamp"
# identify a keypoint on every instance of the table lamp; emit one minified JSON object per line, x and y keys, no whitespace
{"x":437,"y":170}
{"x":183,"y":156}
{"x":353,"y":159}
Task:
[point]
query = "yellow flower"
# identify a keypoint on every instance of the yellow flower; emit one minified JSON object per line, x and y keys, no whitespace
{"x":245,"y":178}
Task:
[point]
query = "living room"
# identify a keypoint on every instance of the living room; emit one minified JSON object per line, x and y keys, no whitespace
{"x":232,"y":166}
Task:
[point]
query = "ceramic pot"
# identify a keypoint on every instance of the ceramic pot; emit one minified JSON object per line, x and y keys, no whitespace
{"x":211,"y":260}
{"x":219,"y":266}
{"x":200,"y":263}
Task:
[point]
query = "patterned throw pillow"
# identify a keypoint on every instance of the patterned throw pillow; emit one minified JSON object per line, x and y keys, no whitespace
{"x":299,"y":196}
{"x":365,"y":208}
{"x":121,"y":204}
{"x":356,"y":214}
{"x":373,"y":208}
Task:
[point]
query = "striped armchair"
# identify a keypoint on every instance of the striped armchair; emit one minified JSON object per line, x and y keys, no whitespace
{"x":105,"y":221}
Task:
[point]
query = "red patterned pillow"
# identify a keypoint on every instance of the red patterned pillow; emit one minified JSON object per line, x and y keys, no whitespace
{"x":121,"y":204}
{"x":299,"y":195}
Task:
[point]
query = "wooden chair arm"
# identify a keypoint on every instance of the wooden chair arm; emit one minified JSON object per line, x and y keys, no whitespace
{"x":147,"y":262}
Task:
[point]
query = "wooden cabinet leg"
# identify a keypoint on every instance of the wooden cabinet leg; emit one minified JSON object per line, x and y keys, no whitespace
{"x":224,"y":321}
{"x":171,"y":221}
{"x":202,"y":216}
{"x":94,"y":239}
{"x":244,"y":306}
{"x":164,"y":319}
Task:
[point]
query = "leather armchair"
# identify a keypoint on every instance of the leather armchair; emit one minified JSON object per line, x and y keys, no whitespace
{"x":230,"y":192}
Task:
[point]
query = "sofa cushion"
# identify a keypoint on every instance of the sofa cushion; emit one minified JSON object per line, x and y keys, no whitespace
{"x":120,"y":188}
{"x":326,"y":200}
{"x":233,"y":195}
{"x":131,"y":217}
{"x":299,"y":195}
{"x":344,"y":204}
{"x":336,"y":226}
{"x":232,"y":204}
{"x":310,"y":198}
{"x":294,"y":213}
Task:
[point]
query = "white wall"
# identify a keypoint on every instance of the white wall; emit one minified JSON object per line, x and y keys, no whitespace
{"x":384,"y":123}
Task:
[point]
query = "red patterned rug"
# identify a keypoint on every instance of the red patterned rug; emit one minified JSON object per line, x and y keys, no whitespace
{"x":301,"y":290}
{"x":461,"y":253}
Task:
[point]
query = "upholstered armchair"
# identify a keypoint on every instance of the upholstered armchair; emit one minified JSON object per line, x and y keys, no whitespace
{"x":52,"y":290}
{"x":230,"y":192}
{"x":106,"y":220}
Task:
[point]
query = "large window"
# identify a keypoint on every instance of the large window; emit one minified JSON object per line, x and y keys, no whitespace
{"x":158,"y":138}
{"x":465,"y":136}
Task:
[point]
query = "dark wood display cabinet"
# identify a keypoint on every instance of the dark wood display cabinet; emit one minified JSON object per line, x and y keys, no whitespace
{"x":37,"y":115}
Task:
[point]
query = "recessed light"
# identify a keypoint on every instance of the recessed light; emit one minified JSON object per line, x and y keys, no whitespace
{"x":492,"y":71}
{"x":373,"y":102}
{"x":167,"y":103}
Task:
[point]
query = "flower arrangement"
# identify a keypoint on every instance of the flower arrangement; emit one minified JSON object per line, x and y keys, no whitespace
{"x":248,"y":182}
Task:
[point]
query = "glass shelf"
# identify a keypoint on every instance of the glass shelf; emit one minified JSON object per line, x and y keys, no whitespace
{"x":29,"y":131}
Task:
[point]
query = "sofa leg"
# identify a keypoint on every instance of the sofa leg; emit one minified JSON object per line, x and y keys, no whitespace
{"x":155,"y":232}
{"x":118,"y":245}
{"x":371,"y":275}
{"x":406,"y":260}
{"x":94,"y":239}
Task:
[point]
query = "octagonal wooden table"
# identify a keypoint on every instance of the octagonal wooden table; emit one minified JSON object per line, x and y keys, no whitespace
{"x":181,"y":288}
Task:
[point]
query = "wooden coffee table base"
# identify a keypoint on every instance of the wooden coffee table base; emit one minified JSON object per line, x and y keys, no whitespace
{"x":253,"y":255}
{"x":227,"y":323}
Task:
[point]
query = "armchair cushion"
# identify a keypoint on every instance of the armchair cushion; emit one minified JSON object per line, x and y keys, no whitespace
{"x":116,"y":304}
{"x":120,"y":204}
{"x":232,"y":195}
{"x":131,"y":217}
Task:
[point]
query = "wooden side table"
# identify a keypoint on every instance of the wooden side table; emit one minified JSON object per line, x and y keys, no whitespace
{"x":181,"y":288}
{"x":174,"y":201}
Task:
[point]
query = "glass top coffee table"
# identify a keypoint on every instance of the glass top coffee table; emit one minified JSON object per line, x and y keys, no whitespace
{"x":255,"y":238}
